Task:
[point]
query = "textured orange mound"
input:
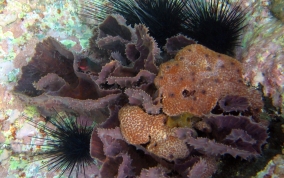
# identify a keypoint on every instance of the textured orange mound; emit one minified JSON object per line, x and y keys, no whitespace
{"x":138,"y":127}
{"x":197,"y":78}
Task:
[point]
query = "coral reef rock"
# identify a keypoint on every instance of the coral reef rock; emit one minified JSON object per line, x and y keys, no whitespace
{"x":263,"y":49}
{"x":277,"y":8}
{"x":274,"y":168}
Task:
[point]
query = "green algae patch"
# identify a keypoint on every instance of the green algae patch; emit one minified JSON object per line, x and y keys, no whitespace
{"x":10,"y":57}
{"x":17,"y":163}
{"x":183,"y":120}
{"x":12,"y":75}
{"x":279,"y":40}
{"x":68,"y":43}
{"x":31,"y":111}
{"x":247,"y":37}
{"x":84,"y":43}
{"x":22,"y":39}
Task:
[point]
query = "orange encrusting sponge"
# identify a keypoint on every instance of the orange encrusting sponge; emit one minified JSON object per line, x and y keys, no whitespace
{"x":197,"y":78}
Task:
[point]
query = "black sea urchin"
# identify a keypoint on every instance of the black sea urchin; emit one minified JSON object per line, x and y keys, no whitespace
{"x":96,"y":10}
{"x":67,"y":146}
{"x":215,"y":24}
{"x":164,"y":18}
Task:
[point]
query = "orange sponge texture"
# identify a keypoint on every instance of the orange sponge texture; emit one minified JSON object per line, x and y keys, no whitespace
{"x":197,"y":78}
{"x":138,"y":127}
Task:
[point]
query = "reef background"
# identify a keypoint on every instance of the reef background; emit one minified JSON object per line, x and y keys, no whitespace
{"x":24,"y":23}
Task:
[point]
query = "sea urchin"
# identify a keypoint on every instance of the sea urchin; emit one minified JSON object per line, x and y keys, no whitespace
{"x":164,"y":18}
{"x":215,"y":24}
{"x":67,"y":146}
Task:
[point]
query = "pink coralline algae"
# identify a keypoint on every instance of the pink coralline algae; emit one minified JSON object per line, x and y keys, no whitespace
{"x":118,"y":84}
{"x":263,"y":51}
{"x":264,"y":65}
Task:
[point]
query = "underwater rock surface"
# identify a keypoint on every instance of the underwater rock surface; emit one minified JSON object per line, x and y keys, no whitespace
{"x":119,"y":70}
{"x":262,"y":52}
{"x":277,"y":8}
